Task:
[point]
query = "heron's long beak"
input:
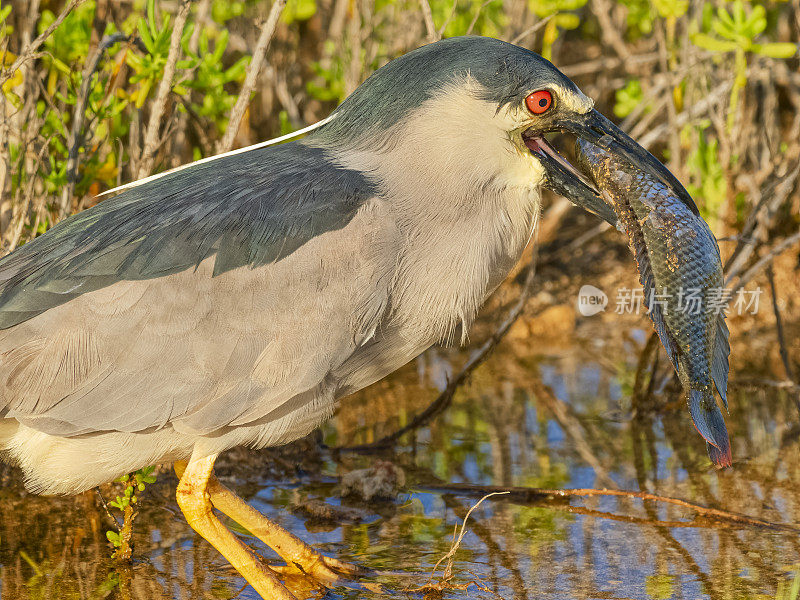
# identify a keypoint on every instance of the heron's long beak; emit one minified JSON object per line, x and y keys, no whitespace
{"x":568,"y":181}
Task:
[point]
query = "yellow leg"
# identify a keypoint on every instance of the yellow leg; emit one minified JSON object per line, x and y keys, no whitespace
{"x":292,"y":549}
{"x":195,"y":502}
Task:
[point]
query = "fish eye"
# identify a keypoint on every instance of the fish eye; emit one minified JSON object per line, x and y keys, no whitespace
{"x":539,"y":102}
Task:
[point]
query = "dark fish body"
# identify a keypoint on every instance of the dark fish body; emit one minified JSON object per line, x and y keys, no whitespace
{"x":681,"y":272}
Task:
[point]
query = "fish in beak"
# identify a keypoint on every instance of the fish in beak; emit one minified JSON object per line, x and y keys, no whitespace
{"x":674,"y":249}
{"x":566,"y":180}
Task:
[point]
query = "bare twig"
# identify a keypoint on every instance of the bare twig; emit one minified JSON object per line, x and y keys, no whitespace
{"x":448,"y":20}
{"x":530,"y":494}
{"x":108,"y":512}
{"x":457,"y":541}
{"x":697,"y":109}
{"x":760,"y":221}
{"x":29,"y":52}
{"x":778,"y":321}
{"x":159,"y":103}
{"x":19,"y":222}
{"x":427,"y":15}
{"x":447,"y":575}
{"x":476,"y":16}
{"x":787,"y":365}
{"x":76,"y":134}
{"x":530,"y":30}
{"x":253,"y":71}
{"x":748,"y":275}
{"x":610,"y":32}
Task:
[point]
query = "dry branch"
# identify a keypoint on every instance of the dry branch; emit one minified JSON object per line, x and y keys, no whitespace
{"x":253,"y":71}
{"x":76,"y":135}
{"x":530,"y":494}
{"x":151,"y":140}
{"x":19,"y":218}
{"x":602,"y":9}
{"x":29,"y":52}
{"x":532,"y":29}
{"x":787,"y":364}
{"x":427,"y":15}
{"x":765,"y":260}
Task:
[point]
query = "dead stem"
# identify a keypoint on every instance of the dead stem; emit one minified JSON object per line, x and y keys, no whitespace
{"x":431,"y":588}
{"x":77,"y":134}
{"x":427,"y":15}
{"x":787,"y":365}
{"x":30,"y":51}
{"x":251,"y":78}
{"x":529,"y":495}
{"x":151,"y":140}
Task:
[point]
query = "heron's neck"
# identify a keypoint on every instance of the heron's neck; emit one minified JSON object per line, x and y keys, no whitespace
{"x":462,"y":232}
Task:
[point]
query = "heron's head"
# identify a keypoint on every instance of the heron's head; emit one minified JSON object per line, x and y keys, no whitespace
{"x":478,"y":109}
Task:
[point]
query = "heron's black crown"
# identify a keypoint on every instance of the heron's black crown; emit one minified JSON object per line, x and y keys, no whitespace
{"x":507,"y":72}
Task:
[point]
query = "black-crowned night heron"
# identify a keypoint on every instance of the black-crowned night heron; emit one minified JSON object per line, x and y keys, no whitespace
{"x":232,"y":302}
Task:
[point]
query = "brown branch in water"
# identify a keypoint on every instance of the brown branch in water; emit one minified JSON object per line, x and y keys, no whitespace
{"x":444,"y":399}
{"x":29,"y":52}
{"x":251,"y":78}
{"x":696,"y":523}
{"x":529,"y":494}
{"x":159,"y":103}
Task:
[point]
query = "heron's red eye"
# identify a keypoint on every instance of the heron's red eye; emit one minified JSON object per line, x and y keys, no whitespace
{"x":539,"y":102}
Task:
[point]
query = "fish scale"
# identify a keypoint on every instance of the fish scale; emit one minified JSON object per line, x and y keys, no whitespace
{"x":678,"y":262}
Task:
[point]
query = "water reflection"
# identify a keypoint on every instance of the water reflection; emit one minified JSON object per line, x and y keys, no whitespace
{"x":603,"y":412}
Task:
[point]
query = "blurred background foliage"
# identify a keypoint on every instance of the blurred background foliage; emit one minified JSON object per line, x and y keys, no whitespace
{"x":711,"y":87}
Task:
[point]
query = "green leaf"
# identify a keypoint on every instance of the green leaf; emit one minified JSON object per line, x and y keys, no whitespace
{"x":567,"y":20}
{"x":147,"y":39}
{"x":702,"y":40}
{"x":776,"y":49}
{"x":298,"y":10}
{"x":671,"y":8}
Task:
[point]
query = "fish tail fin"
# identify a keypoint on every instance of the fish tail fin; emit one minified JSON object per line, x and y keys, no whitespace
{"x":719,"y":365}
{"x":711,"y":425}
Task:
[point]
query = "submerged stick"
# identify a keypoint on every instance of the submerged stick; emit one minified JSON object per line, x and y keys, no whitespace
{"x":530,"y":494}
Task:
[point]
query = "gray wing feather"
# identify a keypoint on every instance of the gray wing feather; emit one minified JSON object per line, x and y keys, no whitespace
{"x":137,"y":313}
{"x":248,"y":209}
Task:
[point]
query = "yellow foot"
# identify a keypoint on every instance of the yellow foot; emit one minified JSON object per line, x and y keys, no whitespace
{"x":194,"y":502}
{"x":326,"y":570}
{"x":299,"y":556}
{"x":199,"y":491}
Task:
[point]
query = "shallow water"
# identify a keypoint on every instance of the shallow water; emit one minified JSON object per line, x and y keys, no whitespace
{"x":571,"y":414}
